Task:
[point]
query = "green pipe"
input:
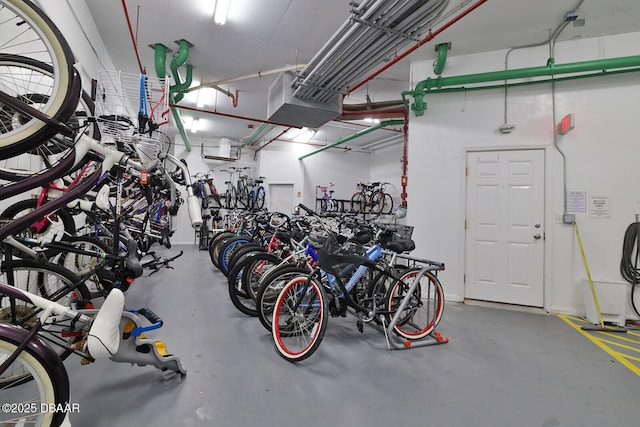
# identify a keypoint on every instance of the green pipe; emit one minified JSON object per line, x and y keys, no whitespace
{"x":551,"y":69}
{"x":530,"y":82}
{"x":443,"y":49}
{"x":161,"y":72}
{"x":178,"y":60}
{"x":354,"y":136}
{"x":255,"y":135}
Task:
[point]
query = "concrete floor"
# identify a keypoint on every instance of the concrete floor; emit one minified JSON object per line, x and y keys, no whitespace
{"x":501,"y":368}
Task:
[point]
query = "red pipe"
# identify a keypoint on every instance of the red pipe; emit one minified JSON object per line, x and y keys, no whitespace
{"x":133,"y":39}
{"x":405,"y":161}
{"x":269,"y":142}
{"x":428,"y":38}
{"x":233,"y":116}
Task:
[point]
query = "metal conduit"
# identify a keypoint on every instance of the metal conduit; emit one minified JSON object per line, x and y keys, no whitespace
{"x":370,"y":46}
{"x":374,"y":46}
{"x":362,"y":42}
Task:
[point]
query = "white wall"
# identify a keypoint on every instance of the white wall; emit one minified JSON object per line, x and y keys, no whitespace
{"x":76,"y":23}
{"x":344,"y":169}
{"x":601,"y":160}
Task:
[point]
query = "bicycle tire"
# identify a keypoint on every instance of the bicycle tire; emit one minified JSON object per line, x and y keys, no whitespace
{"x":48,"y":383}
{"x":257,"y":266}
{"x":239,"y":293}
{"x":227,"y":249}
{"x":53,"y":224}
{"x":358,"y":202}
{"x":49,"y":46}
{"x":299,"y":319}
{"x":376,"y":202}
{"x":214,"y":245}
{"x":261,"y":196}
{"x":45,"y":155}
{"x":270,"y":286}
{"x":230,"y":198}
{"x":425,"y":306}
{"x":388,"y":204}
{"x":50,"y":281}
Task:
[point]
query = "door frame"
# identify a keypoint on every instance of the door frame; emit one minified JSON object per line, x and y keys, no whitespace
{"x":548,"y":216}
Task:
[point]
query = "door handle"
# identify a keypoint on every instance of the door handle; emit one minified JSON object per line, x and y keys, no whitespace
{"x":537,"y":236}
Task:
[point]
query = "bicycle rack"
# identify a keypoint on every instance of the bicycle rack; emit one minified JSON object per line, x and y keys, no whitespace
{"x":398,"y":343}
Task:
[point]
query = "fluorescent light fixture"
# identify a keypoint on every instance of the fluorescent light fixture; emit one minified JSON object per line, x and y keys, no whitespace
{"x":222,"y":10}
{"x":195,"y":126}
{"x":371,"y":120}
{"x":304,"y":136}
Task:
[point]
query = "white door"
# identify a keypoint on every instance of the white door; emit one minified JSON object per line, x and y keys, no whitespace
{"x":504,"y":227}
{"x":280,"y":198}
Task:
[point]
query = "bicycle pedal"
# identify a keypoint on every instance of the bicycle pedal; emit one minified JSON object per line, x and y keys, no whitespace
{"x":360,"y":326}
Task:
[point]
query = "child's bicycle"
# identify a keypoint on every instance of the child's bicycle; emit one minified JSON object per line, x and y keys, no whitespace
{"x":325,"y":196}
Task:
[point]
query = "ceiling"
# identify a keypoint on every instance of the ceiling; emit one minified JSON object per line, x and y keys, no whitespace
{"x":261,"y":37}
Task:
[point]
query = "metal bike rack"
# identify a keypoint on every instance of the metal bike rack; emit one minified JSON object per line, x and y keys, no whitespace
{"x":398,"y":343}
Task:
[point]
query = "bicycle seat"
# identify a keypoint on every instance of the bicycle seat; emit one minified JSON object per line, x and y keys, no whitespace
{"x":134,"y":267}
{"x":400,"y":246}
{"x":258,"y":181}
{"x":103,"y":339}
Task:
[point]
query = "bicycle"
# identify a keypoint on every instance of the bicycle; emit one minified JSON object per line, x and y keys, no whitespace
{"x":371,"y":198}
{"x":410,"y":301}
{"x":257,"y":193}
{"x":327,"y":203}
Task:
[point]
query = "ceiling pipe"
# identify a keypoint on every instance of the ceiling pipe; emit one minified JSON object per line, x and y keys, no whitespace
{"x":232,"y":116}
{"x":354,"y":136}
{"x":160,"y":57}
{"x":133,"y":38}
{"x":442,"y":49}
{"x":275,"y":138}
{"x":551,"y":69}
{"x":247,"y":77}
{"x":366,"y":42}
{"x":430,"y":36}
{"x":372,"y":46}
{"x":262,"y":130}
{"x":178,"y":61}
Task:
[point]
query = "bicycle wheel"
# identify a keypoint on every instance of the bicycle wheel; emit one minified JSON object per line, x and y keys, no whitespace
{"x":358,"y":202}
{"x":33,"y":383}
{"x":299,"y":319}
{"x":27,"y":31}
{"x":270,"y":286}
{"x":57,"y":224}
{"x":388,"y":204}
{"x":376,"y":202}
{"x":230,"y":198}
{"x":53,"y":282}
{"x":27,"y":76}
{"x":243,"y":200}
{"x":242,"y":297}
{"x":227,"y":248}
{"x":261,"y":195}
{"x":424,"y":308}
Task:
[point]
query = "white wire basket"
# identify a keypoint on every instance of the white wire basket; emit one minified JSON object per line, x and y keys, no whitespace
{"x":132,"y":110}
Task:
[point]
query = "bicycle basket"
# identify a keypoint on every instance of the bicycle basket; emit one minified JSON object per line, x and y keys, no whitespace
{"x":336,"y":251}
{"x":133,"y":110}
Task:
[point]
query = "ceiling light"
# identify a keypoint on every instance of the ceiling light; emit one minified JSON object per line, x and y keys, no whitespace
{"x":305,"y":136}
{"x":195,"y":125}
{"x":222,"y":10}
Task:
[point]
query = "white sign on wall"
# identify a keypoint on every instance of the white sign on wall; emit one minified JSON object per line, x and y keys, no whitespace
{"x":599,"y":206}
{"x":576,"y":201}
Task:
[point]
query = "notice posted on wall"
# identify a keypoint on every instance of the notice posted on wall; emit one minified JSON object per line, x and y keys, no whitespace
{"x":576,"y":201}
{"x":599,"y":206}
